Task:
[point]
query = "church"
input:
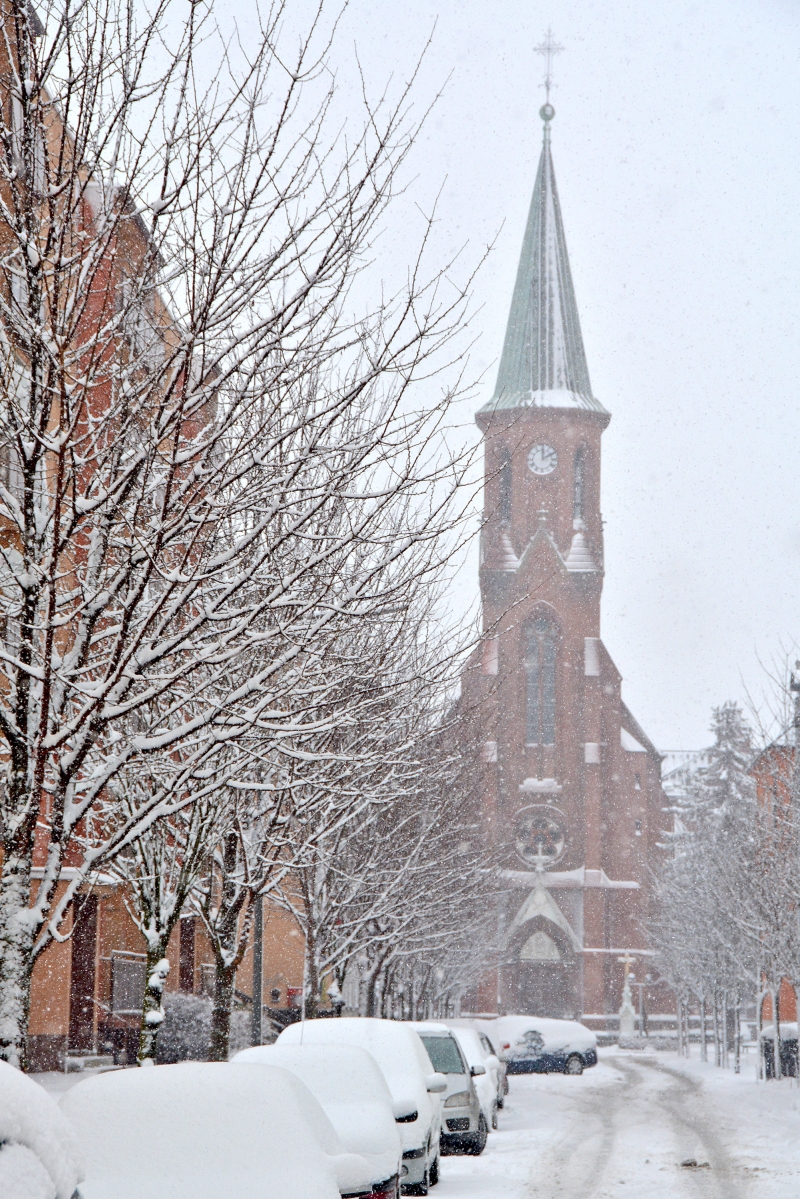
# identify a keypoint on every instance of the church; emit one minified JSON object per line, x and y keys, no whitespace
{"x":570,"y":796}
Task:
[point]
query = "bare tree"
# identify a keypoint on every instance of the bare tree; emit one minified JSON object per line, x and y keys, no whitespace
{"x":188,"y":397}
{"x":727,"y":895}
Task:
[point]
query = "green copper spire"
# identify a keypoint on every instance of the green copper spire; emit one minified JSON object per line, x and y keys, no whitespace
{"x":543,"y":362}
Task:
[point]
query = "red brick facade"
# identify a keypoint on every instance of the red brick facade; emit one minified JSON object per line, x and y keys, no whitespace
{"x":572,"y":797}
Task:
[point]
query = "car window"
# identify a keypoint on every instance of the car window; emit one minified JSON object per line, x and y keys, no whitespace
{"x":486,"y":1043}
{"x":444,"y":1054}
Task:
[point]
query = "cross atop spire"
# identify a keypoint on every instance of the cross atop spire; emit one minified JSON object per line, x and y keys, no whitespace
{"x":548,"y":48}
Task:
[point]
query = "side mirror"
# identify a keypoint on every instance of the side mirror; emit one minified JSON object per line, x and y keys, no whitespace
{"x":436,"y":1084}
{"x":475,"y":1071}
{"x":404,"y":1109}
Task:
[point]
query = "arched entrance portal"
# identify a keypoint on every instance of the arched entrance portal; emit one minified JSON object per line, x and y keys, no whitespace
{"x":541,"y":974}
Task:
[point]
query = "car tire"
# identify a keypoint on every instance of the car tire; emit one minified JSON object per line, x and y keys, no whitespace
{"x":501,"y":1101}
{"x":478,"y":1142}
{"x":494,"y":1117}
{"x":433,"y":1173}
{"x":574,"y":1064}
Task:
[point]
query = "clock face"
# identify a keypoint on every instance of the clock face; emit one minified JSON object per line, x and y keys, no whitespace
{"x":542,"y":460}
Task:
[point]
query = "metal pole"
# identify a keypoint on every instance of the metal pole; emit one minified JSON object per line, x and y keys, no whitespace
{"x":258,"y":969}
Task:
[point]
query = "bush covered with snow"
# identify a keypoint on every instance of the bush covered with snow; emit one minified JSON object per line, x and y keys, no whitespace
{"x":39,"y":1158}
{"x":186,"y":1029}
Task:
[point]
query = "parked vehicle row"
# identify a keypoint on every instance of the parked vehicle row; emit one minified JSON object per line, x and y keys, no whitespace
{"x":414,"y":1085}
{"x":336,"y":1108}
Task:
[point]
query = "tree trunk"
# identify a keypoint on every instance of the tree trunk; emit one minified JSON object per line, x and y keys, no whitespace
{"x":311,"y":986}
{"x":725,"y":1030}
{"x":737,"y":1036}
{"x":219,"y":1045}
{"x":717,"y":1055}
{"x":776,"y":1013}
{"x":760,"y":1006}
{"x":152,"y":1005}
{"x":703,"y":1042}
{"x":16,"y":963}
{"x":372,"y":984}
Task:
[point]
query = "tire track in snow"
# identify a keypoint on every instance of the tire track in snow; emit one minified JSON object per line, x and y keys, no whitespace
{"x":683,"y":1102}
{"x":577,"y":1163}
{"x":627,"y":1141}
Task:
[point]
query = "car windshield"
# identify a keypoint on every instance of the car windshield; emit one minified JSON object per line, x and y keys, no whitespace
{"x":444,"y":1054}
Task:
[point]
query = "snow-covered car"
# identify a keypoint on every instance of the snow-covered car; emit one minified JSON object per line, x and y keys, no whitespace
{"x":465,"y":1127}
{"x":202,"y":1130}
{"x":491,"y":1052}
{"x":415,"y":1088}
{"x":488,"y":1082}
{"x":535,"y":1045}
{"x":39,"y":1155}
{"x":350,"y":1088}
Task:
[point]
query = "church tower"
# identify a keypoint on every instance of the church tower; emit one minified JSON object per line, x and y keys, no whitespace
{"x":571,"y":793}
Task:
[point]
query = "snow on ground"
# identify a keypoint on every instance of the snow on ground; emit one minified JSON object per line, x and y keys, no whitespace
{"x":622,"y":1129}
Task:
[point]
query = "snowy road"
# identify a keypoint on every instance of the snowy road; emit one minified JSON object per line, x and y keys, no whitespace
{"x":622,"y":1130}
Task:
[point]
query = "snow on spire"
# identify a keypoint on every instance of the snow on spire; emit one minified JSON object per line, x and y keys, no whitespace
{"x":543,"y":362}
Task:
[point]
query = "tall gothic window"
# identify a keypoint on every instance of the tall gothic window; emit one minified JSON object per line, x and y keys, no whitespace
{"x":540,"y":668}
{"x":505,"y":487}
{"x":578,"y":484}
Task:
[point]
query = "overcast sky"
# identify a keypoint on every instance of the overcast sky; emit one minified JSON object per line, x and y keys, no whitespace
{"x":675,"y":148}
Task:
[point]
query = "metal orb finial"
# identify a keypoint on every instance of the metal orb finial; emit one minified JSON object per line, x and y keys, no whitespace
{"x":547,"y":112}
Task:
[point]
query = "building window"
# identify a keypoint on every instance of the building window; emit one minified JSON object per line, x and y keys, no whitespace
{"x":578,"y":485}
{"x":540,"y":668}
{"x":505,"y":487}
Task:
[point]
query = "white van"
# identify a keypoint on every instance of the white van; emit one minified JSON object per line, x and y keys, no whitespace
{"x":415,"y":1088}
{"x":350,"y":1088}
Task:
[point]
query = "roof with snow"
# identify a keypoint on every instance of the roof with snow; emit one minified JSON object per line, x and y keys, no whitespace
{"x":543,"y":362}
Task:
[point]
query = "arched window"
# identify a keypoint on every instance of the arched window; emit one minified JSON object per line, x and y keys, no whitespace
{"x":579,"y":484}
{"x":540,"y":668}
{"x":539,"y":948}
{"x":505,"y":487}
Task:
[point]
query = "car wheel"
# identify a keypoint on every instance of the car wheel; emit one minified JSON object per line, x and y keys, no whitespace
{"x":494,"y":1117}
{"x":418,"y":1188}
{"x":501,"y":1101}
{"x":434,"y":1172}
{"x":574,"y":1064}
